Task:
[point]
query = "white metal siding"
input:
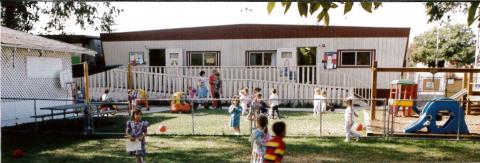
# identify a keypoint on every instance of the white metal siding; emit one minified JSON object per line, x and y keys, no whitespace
{"x":389,"y":51}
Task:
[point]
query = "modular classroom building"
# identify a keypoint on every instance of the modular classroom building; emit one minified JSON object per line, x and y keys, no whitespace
{"x":304,"y":54}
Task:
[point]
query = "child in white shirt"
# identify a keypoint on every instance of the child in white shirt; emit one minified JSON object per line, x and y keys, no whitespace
{"x":244,"y":100}
{"x":317,"y":101}
{"x":323,"y":101}
{"x":349,"y":115}
{"x":274,"y":113}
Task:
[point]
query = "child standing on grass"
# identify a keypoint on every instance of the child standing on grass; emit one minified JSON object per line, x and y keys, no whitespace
{"x":259,"y":107}
{"x":274,"y":113}
{"x":136,"y":131}
{"x":275,"y":147}
{"x":259,"y":138}
{"x":323,"y":102}
{"x":317,"y":102}
{"x":202,"y":89}
{"x":192,"y":97}
{"x":349,"y":115}
{"x":235,"y":110}
{"x":244,"y":100}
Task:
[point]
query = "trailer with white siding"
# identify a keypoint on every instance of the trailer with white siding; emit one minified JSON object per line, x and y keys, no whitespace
{"x":334,"y":56}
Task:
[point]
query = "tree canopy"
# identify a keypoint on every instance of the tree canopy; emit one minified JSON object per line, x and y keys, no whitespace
{"x":456,"y":46}
{"x":23,"y":15}
{"x":305,"y":7}
{"x":435,"y":10}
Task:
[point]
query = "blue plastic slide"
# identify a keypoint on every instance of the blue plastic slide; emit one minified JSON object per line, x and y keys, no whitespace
{"x":429,"y":113}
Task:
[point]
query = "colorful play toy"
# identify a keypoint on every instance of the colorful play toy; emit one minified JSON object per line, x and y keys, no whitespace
{"x":179,"y":103}
{"x":428,"y":117}
{"x":402,"y":94}
{"x":139,"y":98}
{"x":162,"y":128}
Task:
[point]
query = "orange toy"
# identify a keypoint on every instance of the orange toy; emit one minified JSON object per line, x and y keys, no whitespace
{"x":162,"y":128}
{"x":359,"y":127}
{"x":178,"y":103}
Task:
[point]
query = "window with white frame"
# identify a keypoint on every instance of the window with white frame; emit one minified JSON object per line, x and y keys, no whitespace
{"x":260,"y":58}
{"x":203,"y":58}
{"x":356,"y":58}
{"x":137,"y":57}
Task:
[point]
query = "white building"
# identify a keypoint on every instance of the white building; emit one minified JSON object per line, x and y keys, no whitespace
{"x":333,"y":56}
{"x":30,"y":69}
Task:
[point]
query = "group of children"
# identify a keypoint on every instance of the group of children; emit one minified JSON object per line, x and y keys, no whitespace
{"x":252,"y":106}
{"x":319,"y":102}
{"x":265,"y":147}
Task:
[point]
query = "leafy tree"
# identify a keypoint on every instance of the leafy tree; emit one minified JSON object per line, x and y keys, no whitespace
{"x":435,"y":10}
{"x":22,"y":14}
{"x":456,"y":46}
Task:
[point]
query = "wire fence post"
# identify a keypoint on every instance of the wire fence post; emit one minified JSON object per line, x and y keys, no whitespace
{"x":193,"y":121}
{"x":35,"y":113}
{"x":321,"y":123}
{"x":387,"y":112}
{"x":458,"y":124}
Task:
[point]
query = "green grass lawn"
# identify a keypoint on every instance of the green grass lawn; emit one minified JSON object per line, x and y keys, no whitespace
{"x":216,"y":122}
{"x":207,"y":122}
{"x":170,"y":148}
{"x":67,"y":148}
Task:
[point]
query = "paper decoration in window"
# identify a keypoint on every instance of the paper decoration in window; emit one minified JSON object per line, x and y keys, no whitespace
{"x":286,"y":55}
{"x":173,"y":55}
{"x":329,"y":60}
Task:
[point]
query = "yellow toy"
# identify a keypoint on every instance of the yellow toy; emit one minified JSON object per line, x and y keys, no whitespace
{"x":178,"y":103}
{"x":141,"y":97}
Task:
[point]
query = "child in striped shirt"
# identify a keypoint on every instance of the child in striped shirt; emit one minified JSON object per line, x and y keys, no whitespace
{"x":275,"y":147}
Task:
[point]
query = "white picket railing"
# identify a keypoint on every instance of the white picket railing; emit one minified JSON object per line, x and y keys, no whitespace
{"x":164,"y":85}
{"x":297,"y":75}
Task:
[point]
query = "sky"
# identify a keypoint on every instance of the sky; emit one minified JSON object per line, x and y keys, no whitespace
{"x":138,"y":16}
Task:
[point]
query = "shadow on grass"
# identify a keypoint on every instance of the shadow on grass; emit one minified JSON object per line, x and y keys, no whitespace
{"x":101,"y":124}
{"x":380,"y":150}
{"x":36,"y":147}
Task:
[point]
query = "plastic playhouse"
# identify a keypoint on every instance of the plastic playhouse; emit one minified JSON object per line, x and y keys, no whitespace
{"x":428,"y":118}
{"x":402,"y":95}
{"x":179,"y":103}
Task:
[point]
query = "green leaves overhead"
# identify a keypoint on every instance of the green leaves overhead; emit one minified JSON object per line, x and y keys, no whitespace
{"x":302,"y":8}
{"x":22,"y":15}
{"x":367,"y":6}
{"x":314,"y":6}
{"x":286,"y":5}
{"x":270,"y":7}
{"x":348,"y":7}
{"x":471,"y":12}
{"x":309,"y":6}
{"x":442,"y":11}
{"x":377,"y":5}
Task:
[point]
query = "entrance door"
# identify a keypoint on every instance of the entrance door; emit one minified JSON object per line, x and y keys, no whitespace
{"x":306,"y":59}
{"x":157,"y":58}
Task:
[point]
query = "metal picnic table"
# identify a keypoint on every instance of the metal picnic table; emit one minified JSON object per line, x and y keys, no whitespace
{"x":63,"y":108}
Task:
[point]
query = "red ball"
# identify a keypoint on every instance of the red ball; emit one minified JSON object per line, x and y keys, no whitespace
{"x":162,"y":128}
{"x":359,"y":127}
{"x":18,"y":153}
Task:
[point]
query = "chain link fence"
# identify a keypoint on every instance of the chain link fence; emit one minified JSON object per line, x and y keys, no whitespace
{"x":298,"y":114}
